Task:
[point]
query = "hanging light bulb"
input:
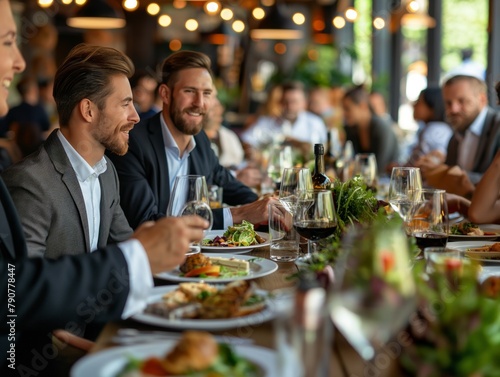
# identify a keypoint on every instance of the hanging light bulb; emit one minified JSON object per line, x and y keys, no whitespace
{"x":258,"y":13}
{"x":45,"y":3}
{"x":164,"y":20}
{"x":212,"y":7}
{"x":238,"y":26}
{"x":191,"y":24}
{"x":226,"y":14}
{"x":67,"y":2}
{"x":413,"y":6}
{"x":299,"y":18}
{"x":80,"y":2}
{"x":378,"y":23}
{"x":153,"y":9}
{"x":351,"y":14}
{"x":130,"y":5}
{"x":338,"y":22}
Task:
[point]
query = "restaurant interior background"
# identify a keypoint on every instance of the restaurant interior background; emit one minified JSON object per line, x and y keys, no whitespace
{"x":393,"y":46}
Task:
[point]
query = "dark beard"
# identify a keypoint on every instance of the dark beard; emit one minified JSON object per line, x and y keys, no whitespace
{"x":182,"y":125}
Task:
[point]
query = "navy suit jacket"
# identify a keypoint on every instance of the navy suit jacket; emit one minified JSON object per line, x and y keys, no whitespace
{"x":144,"y":176}
{"x":50,"y":294}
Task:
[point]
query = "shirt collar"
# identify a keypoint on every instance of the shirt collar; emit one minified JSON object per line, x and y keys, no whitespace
{"x":169,"y":141}
{"x":82,"y":169}
{"x":477,"y":125}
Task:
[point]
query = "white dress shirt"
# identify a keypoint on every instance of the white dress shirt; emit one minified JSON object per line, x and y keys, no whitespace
{"x":179,"y":165}
{"x":141,"y":280}
{"x":308,"y":127}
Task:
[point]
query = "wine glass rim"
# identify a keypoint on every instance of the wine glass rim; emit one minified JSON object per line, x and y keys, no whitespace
{"x":405,"y":168}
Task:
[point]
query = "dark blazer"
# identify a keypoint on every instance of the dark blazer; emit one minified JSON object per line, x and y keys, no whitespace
{"x":489,"y":144}
{"x":144,"y":179}
{"x":50,"y":203}
{"x":52,"y":294}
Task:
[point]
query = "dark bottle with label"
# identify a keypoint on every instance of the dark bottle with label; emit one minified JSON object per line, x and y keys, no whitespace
{"x":319,"y":178}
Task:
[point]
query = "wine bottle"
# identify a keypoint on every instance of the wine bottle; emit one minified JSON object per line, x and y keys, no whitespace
{"x":319,"y":178}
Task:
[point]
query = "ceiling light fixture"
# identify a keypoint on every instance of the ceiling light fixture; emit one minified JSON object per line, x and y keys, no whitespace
{"x":97,"y":14}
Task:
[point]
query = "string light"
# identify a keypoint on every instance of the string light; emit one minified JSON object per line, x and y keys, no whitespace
{"x":67,"y":2}
{"x":413,"y":6}
{"x":351,"y":14}
{"x":45,"y":3}
{"x":212,"y":7}
{"x":80,"y":2}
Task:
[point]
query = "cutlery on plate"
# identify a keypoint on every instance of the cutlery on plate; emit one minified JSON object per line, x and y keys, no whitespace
{"x":131,"y":336}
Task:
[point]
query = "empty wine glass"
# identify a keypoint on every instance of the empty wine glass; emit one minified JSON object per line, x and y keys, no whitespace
{"x":375,"y":293}
{"x":315,"y":217}
{"x":280,"y":157}
{"x":429,"y":220}
{"x":365,"y":165}
{"x":190,"y":197}
{"x":294,"y":181}
{"x":405,"y":188}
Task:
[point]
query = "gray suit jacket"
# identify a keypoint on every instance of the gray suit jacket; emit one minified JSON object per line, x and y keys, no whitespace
{"x":489,"y":144}
{"x":51,"y":207}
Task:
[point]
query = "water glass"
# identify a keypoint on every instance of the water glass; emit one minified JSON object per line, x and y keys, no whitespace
{"x":365,"y":165}
{"x":283,"y":237}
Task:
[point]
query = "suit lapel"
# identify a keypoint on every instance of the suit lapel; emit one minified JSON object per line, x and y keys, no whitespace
{"x":156,"y":140}
{"x":61,"y":163}
{"x":484,"y":139}
{"x":105,"y":212}
{"x":11,"y":233}
{"x":195,"y":163}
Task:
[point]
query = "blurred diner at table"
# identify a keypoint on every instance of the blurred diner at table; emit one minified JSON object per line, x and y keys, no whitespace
{"x":171,"y":143}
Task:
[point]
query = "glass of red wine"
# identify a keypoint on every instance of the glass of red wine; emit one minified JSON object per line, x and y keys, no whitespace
{"x":315,"y":217}
{"x":429,"y":220}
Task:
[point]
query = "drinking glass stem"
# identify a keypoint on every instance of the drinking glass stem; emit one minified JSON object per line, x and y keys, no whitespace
{"x":312,"y":247}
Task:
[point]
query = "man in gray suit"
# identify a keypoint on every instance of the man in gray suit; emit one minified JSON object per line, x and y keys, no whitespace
{"x":476,"y":137}
{"x":67,"y":193}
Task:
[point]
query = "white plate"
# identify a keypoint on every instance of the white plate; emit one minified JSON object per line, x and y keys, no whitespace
{"x":483,"y":256}
{"x":110,"y":362}
{"x":204,"y":324}
{"x":232,"y":250}
{"x":485,"y":228}
{"x":259,"y":267}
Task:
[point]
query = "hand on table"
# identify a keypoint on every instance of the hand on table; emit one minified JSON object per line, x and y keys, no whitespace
{"x":256,"y":212}
{"x":457,"y":203}
{"x":249,"y":176}
{"x":167,"y":240}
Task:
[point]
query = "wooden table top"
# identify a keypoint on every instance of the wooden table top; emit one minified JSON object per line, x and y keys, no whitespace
{"x":344,"y":361}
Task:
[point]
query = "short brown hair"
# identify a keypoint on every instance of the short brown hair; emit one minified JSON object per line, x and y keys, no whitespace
{"x":476,"y":83}
{"x":183,"y":60}
{"x":86,"y":73}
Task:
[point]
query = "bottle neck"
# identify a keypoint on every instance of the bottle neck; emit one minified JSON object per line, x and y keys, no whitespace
{"x":319,"y":164}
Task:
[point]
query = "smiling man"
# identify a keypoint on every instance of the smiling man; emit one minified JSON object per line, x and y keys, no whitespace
{"x":67,"y":193}
{"x":172,"y":143}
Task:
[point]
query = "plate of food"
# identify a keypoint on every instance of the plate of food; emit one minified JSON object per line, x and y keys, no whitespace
{"x":469,"y":231}
{"x":478,"y":250}
{"x":202,"y":306}
{"x":220,"y":268}
{"x":237,"y":239}
{"x":195,"y":353}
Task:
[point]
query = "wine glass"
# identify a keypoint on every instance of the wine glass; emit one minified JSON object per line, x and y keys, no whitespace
{"x":405,"y":188}
{"x":375,"y":293}
{"x":365,"y":165}
{"x":280,"y":157}
{"x":190,"y":197}
{"x":315,"y":217}
{"x":293,"y":182}
{"x":429,"y":219}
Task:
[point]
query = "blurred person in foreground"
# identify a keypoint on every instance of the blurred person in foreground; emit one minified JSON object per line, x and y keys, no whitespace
{"x":475,"y":141}
{"x":67,"y":193}
{"x":51,"y":294}
{"x":171,"y":143}
{"x":368,"y":132}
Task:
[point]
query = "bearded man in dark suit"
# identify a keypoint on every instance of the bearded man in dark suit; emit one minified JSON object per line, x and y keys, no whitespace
{"x":172,"y":143}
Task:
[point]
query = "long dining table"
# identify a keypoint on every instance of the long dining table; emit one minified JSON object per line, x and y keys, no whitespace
{"x":344,"y":361}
